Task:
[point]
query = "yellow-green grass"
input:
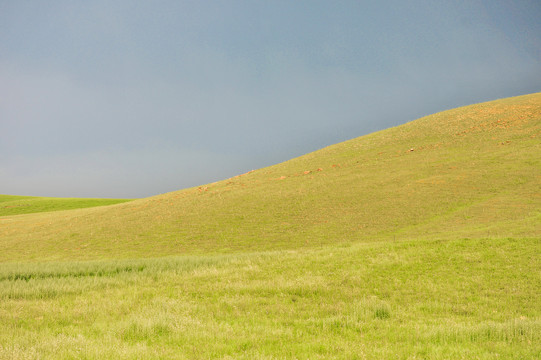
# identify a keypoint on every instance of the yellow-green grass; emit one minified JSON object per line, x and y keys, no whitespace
{"x":16,"y":205}
{"x":414,"y":299}
{"x":362,"y":250}
{"x":471,"y":172}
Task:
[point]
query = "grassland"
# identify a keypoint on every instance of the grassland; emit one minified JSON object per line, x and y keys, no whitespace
{"x":452,"y":299}
{"x":16,"y":205}
{"x":417,"y":242}
{"x":468,"y":172}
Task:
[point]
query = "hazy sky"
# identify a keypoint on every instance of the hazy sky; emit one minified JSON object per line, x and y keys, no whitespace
{"x":136,"y":98}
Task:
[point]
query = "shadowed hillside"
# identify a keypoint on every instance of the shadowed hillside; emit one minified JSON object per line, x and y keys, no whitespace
{"x":467,"y":172}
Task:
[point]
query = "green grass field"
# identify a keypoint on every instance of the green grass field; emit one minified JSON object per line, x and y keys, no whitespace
{"x":452,"y":299}
{"x":418,"y":242}
{"x":16,"y":205}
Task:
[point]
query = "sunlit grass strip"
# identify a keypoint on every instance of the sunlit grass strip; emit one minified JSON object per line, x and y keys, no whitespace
{"x":425,"y":298}
{"x":17,"y":205}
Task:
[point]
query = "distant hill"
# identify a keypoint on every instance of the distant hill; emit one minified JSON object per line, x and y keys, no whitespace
{"x":16,"y":205}
{"x":470,"y":172}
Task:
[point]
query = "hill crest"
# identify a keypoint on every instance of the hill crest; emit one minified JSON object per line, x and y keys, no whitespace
{"x":466,"y":172}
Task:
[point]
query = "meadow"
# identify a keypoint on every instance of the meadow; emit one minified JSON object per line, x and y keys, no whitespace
{"x":417,"y":242}
{"x":452,"y":299}
{"x":17,"y":205}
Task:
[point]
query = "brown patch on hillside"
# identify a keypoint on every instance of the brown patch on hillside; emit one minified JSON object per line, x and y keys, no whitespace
{"x":503,"y":118}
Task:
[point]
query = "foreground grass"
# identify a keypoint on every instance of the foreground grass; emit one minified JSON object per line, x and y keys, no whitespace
{"x":446,"y":299}
{"x":16,"y":205}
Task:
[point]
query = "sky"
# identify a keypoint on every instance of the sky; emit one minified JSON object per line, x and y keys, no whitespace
{"x":128,"y":99}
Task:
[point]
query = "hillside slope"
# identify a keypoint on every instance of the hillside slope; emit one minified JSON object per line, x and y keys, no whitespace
{"x":467,"y":172}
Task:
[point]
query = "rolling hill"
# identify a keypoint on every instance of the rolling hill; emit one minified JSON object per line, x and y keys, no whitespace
{"x":470,"y":172}
{"x":417,"y":242}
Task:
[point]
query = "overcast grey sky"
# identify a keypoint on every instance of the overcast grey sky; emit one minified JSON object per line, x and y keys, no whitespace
{"x":136,"y":98}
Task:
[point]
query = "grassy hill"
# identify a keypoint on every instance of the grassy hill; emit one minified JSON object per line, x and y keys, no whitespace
{"x":467,"y":172}
{"x":417,"y":242}
{"x":16,"y":205}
